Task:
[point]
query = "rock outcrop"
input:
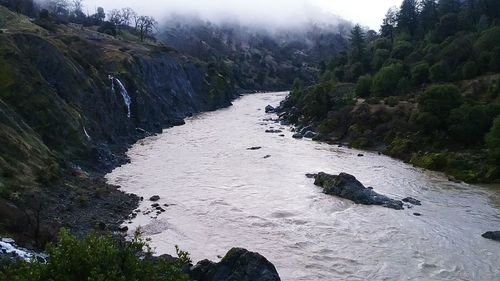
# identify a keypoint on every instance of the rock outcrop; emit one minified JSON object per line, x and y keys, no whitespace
{"x":493,"y":235}
{"x":237,"y":265}
{"x":347,"y":186}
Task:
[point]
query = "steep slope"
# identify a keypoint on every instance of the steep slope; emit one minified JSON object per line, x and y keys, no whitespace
{"x":258,"y":58}
{"x":64,"y":119}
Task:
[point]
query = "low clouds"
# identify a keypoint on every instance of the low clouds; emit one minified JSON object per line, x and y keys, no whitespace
{"x":260,"y":12}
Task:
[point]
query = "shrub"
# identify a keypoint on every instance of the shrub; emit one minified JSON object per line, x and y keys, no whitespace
{"x":439,"y":72}
{"x":402,"y":50}
{"x":420,"y":73}
{"x":439,"y":100}
{"x":391,"y":101}
{"x":98,"y":257}
{"x":355,"y":70}
{"x":363,"y":86}
{"x":386,"y":80}
{"x":495,"y":59}
{"x":469,"y":124}
{"x":493,"y":140}
{"x":379,"y":58}
{"x":469,"y":70}
{"x":488,"y":40}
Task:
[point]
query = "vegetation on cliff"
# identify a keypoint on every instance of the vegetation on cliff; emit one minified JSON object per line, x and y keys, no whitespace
{"x":424,"y":89}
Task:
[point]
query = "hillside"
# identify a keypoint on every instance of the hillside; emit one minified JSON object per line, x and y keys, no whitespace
{"x":64,"y":119}
{"x":425,"y":89}
{"x":258,"y":58}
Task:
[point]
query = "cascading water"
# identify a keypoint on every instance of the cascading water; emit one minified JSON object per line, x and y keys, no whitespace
{"x":123,"y":92}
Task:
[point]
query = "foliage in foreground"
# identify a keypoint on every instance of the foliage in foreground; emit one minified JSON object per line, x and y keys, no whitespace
{"x":98,"y":257}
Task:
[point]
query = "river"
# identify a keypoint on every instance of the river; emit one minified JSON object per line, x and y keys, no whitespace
{"x":221,"y":195}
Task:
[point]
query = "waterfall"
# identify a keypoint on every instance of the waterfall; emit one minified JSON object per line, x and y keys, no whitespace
{"x":123,"y":92}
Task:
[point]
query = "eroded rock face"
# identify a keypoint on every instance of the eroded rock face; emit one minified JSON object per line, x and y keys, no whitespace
{"x":237,"y":265}
{"x":347,"y":186}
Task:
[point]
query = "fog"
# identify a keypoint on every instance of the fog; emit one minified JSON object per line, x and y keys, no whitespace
{"x":260,"y":12}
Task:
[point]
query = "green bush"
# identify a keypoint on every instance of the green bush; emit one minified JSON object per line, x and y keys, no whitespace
{"x":385,"y":82}
{"x":439,"y":100}
{"x":488,"y":40}
{"x":439,"y":72}
{"x":363,"y":86}
{"x":468,"y":124}
{"x":379,"y":58}
{"x":493,"y":140}
{"x":402,"y":49}
{"x":469,"y":70}
{"x":355,"y":70}
{"x":391,"y":101}
{"x":98,"y":257}
{"x":495,"y":59}
{"x":420,"y":73}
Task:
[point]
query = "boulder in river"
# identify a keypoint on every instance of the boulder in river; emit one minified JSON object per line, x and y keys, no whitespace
{"x":154,"y":198}
{"x":347,"y":186}
{"x":254,"y":148}
{"x":412,"y":200}
{"x":237,"y":265}
{"x":297,"y":136}
{"x":273,"y":131}
{"x":305,"y":129}
{"x":493,"y":235}
{"x":309,"y":134}
{"x":270,"y":109}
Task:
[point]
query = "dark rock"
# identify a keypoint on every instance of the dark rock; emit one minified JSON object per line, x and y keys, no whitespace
{"x":412,"y":200}
{"x":254,"y":148}
{"x":267,"y":156}
{"x":281,"y":135}
{"x":493,"y":235}
{"x":272,"y":131}
{"x":309,"y":134}
{"x":237,"y":265}
{"x":417,"y":214}
{"x":348,"y":187}
{"x":454,"y":180}
{"x":124,"y":229}
{"x":311,"y":176}
{"x":270,"y":109}
{"x":297,"y":136}
{"x":284,"y":122}
{"x":305,"y":129}
{"x":154,"y":198}
{"x":360,"y":155}
{"x":155,"y":205}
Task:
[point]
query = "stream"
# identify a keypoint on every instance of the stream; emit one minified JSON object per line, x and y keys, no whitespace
{"x":217,"y":194}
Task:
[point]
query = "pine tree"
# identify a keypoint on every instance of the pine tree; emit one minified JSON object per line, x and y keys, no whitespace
{"x":407,"y":17}
{"x":357,"y":44}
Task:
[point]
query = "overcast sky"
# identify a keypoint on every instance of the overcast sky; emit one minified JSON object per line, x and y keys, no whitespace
{"x":366,"y":12}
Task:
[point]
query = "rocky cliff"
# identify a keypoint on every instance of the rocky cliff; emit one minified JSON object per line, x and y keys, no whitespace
{"x":64,"y":119}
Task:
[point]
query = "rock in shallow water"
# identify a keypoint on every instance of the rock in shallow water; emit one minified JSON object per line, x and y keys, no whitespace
{"x":270,"y":109}
{"x":493,"y":235}
{"x":297,"y":136}
{"x":412,"y":200}
{"x":237,"y":265}
{"x":154,"y":198}
{"x":348,"y":187}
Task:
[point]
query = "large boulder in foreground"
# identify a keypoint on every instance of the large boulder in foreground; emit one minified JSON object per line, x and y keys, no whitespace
{"x":238,"y":265}
{"x":348,"y":187}
{"x":493,"y":235}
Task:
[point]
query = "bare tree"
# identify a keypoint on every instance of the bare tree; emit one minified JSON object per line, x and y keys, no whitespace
{"x":115,"y":17}
{"x":128,"y":14}
{"x":145,"y":25}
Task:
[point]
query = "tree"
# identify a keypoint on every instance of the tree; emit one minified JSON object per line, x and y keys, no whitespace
{"x":363,"y":86}
{"x":439,"y":100}
{"x":407,"y":17}
{"x":439,"y":72}
{"x":100,"y":15}
{"x":389,"y":24}
{"x":128,"y":14}
{"x":385,"y":82}
{"x":357,"y":44}
{"x":145,"y":25}
{"x":468,"y":124}
{"x":115,"y":17}
{"x":448,"y":6}
{"x":428,"y":16}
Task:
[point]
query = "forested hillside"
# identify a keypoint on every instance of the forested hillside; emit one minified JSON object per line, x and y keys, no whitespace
{"x":424,"y":89}
{"x":258,"y":57}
